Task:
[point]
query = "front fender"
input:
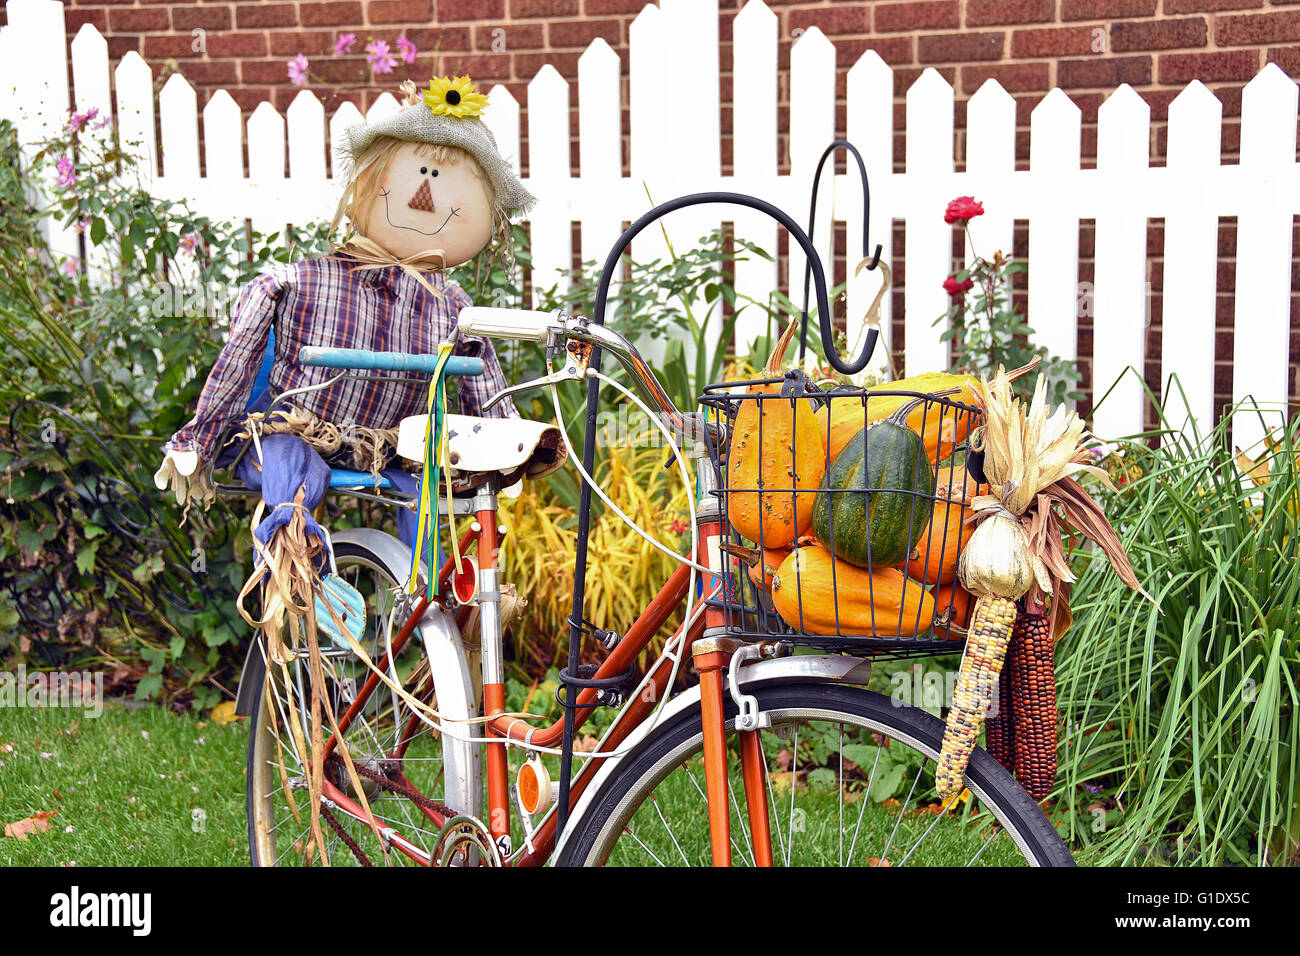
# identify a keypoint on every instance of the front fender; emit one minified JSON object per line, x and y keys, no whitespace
{"x":801,"y":668}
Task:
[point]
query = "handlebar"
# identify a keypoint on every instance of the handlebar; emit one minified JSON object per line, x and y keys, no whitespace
{"x":552,"y":328}
{"x":387,"y":361}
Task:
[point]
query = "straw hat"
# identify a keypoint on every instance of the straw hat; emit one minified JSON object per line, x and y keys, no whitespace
{"x":446,"y":114}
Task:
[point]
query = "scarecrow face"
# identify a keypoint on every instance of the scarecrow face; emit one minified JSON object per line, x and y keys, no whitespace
{"x":425,"y":205}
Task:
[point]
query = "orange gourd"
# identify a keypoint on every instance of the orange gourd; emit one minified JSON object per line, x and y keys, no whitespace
{"x":952,"y":608}
{"x":764,"y":453}
{"x":762,"y":564}
{"x":810,"y":585}
{"x":944,"y":428}
{"x":934,"y":559}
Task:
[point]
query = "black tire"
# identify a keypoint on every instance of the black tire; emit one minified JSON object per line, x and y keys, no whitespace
{"x":640,"y":772}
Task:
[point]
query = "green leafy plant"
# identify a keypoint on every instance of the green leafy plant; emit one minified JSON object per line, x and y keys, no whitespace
{"x":1181,"y":736}
{"x":104,"y":354}
{"x":984,"y":323}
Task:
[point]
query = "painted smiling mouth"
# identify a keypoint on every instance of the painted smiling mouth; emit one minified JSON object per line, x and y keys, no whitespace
{"x":454,"y":212}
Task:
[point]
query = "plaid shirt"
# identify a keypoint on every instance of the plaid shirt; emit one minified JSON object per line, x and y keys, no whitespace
{"x":329,"y":302}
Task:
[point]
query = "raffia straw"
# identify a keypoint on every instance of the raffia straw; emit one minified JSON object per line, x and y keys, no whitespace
{"x":369,"y":449}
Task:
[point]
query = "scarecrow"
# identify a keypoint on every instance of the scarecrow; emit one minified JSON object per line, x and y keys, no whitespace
{"x":426,"y":190}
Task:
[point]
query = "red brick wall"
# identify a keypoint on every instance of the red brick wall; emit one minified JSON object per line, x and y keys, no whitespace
{"x":1086,"y":47}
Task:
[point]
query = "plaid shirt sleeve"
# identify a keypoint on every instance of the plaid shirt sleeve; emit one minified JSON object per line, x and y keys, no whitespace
{"x":225,"y":394}
{"x":475,"y":390}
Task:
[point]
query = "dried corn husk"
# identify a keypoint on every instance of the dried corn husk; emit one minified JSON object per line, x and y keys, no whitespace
{"x":997,"y":560}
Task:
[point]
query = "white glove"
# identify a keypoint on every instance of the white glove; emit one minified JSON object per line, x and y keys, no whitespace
{"x":188,"y":476}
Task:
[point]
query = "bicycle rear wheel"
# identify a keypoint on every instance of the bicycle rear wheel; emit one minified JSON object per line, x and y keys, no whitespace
{"x":850,"y":782}
{"x":399,"y":760}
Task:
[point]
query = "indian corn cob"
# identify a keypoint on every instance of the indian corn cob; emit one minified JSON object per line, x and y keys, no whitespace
{"x":986,"y":648}
{"x":998,"y":739}
{"x":1032,"y":675}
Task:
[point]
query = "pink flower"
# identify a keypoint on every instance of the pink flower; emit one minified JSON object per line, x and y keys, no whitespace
{"x":963,"y":209}
{"x":78,"y":120}
{"x":81,"y":226}
{"x":189,"y":242}
{"x":407,"y":49}
{"x":67,"y":173}
{"x":955,"y":288}
{"x":298,"y":70}
{"x":69,"y":268}
{"x":344,"y":43}
{"x":379,"y":58}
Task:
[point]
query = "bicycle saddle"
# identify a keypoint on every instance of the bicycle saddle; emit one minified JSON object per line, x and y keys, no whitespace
{"x":478,"y":448}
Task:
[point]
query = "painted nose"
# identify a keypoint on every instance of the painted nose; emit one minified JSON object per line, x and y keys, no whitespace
{"x":423,"y":198}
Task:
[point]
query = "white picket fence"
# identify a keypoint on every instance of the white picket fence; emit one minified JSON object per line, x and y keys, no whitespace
{"x":675,"y":149}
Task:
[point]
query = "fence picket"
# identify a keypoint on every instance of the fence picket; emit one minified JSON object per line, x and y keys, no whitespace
{"x":345,"y":116}
{"x":91,"y":88}
{"x":92,"y":91}
{"x":870,"y":94}
{"x":1191,"y":251}
{"x":178,"y":118}
{"x":600,"y":150}
{"x":548,"y":161}
{"x":306,"y":126}
{"x":37,"y":61}
{"x":753,"y":149}
{"x":927,"y":238}
{"x":1055,"y":131}
{"x":812,"y":128}
{"x":135,"y":131}
{"x":649,"y":154}
{"x":1262,"y":346}
{"x":1119,"y":298}
{"x":266,"y":168}
{"x":991,"y":162}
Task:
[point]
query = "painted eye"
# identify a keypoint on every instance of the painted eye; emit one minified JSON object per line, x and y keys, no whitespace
{"x":423,"y":170}
{"x":434,"y":173}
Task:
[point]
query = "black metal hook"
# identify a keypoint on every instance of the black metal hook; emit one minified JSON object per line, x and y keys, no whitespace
{"x":812,"y":223}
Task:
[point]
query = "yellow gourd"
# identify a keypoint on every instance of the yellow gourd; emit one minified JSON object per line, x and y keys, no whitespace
{"x":944,"y":428}
{"x":774,"y":519}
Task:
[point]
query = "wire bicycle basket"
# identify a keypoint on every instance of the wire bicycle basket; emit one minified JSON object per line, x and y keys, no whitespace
{"x":845,"y":514}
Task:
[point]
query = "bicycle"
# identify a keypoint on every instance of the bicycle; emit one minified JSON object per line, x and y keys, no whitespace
{"x":439,"y":787}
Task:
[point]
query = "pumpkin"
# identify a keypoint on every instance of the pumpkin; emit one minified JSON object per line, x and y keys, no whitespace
{"x":878,"y":526}
{"x":792,"y":455}
{"x":952,"y":608}
{"x":810,"y":585}
{"x":945,"y":428}
{"x":934,"y":559}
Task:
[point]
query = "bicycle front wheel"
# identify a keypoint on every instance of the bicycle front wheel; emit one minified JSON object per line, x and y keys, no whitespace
{"x":849,"y":782}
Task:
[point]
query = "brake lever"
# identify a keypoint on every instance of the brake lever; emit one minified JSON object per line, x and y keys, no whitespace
{"x":577,"y":356}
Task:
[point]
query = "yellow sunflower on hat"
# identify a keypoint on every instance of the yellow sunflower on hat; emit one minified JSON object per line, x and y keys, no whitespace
{"x":454,"y":96}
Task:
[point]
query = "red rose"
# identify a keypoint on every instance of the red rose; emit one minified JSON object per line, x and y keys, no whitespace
{"x":955,"y":288}
{"x":963,"y":209}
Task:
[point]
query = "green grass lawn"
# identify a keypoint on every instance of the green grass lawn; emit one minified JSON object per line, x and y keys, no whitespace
{"x":136,"y":786}
{"x":143,"y":786}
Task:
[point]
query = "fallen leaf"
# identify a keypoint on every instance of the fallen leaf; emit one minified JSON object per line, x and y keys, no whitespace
{"x":38,"y":822}
{"x":224,"y":713}
{"x":877,"y":861}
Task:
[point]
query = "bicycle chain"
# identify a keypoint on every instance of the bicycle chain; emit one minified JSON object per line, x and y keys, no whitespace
{"x":343,"y":835}
{"x":394,"y":786}
{"x":388,"y":783}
